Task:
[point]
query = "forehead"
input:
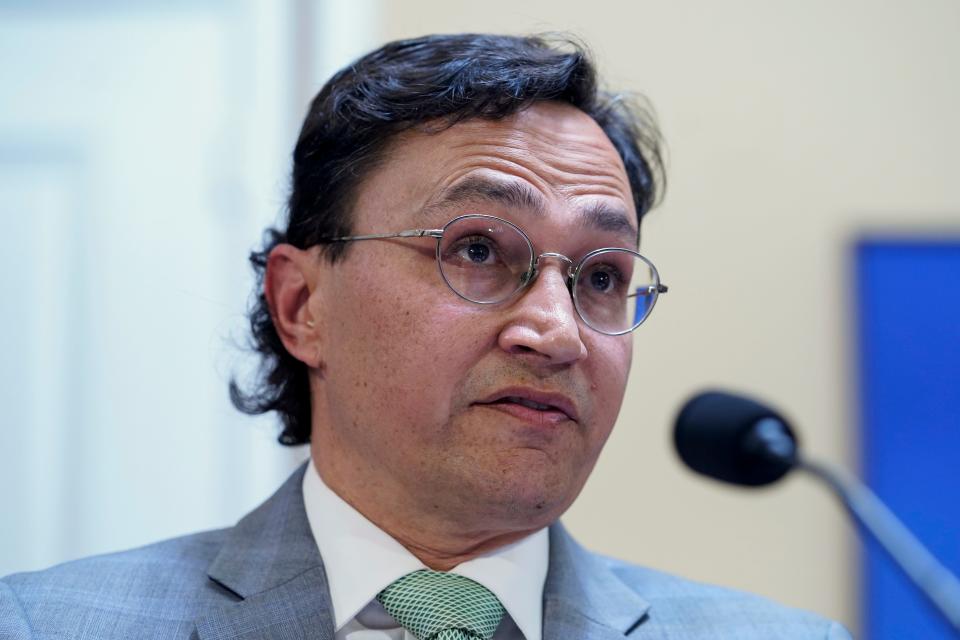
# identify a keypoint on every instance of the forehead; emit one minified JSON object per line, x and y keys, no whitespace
{"x":548,"y":160}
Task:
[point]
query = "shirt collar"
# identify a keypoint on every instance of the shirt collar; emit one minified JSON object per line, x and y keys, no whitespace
{"x":360,"y":560}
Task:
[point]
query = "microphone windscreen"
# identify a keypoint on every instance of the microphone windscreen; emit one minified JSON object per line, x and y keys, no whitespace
{"x":734,"y":439}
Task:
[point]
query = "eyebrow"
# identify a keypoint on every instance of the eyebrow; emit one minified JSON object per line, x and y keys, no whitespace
{"x":518,"y":195}
{"x":515,"y":195}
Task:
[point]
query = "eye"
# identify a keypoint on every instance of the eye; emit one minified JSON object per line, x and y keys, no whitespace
{"x":600,"y":280}
{"x":476,"y":250}
{"x":604,"y":278}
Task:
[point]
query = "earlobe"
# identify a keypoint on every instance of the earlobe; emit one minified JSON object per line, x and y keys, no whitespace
{"x":290,"y":286}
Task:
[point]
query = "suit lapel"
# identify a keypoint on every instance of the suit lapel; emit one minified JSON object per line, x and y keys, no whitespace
{"x":271,"y":562}
{"x":582,"y":598}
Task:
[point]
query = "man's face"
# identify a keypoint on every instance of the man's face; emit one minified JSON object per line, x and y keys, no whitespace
{"x":433,"y":404}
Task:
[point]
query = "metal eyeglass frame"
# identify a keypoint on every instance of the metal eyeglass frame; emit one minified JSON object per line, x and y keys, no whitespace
{"x":573,"y":270}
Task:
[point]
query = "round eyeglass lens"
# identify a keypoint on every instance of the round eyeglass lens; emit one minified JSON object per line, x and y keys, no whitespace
{"x":615,"y":290}
{"x":484,"y":259}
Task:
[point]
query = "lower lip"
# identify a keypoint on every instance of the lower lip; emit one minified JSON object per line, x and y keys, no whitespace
{"x":545,"y":418}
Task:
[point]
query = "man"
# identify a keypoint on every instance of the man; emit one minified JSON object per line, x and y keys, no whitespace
{"x":447,"y":321}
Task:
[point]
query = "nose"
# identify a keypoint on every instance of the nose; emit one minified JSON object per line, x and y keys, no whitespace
{"x":543,"y":321}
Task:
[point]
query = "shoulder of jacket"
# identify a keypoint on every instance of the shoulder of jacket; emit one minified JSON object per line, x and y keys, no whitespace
{"x":165,"y":582}
{"x":674,"y":598}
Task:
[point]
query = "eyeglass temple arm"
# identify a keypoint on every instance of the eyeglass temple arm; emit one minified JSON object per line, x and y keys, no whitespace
{"x":646,"y":291}
{"x":410,"y":233}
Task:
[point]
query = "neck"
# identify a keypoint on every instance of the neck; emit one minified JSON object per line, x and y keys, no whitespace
{"x":433,"y":536}
{"x":444,"y":556}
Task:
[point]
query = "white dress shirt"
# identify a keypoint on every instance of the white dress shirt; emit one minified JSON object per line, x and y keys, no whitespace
{"x":361,"y":560}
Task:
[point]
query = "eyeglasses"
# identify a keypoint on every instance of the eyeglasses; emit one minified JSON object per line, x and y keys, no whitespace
{"x":487,"y":260}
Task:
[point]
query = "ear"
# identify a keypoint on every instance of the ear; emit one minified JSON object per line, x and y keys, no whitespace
{"x":290,"y":286}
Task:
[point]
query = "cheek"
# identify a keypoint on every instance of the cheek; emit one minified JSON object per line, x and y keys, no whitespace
{"x":410,"y":342}
{"x":375,"y":306}
{"x":610,"y":368}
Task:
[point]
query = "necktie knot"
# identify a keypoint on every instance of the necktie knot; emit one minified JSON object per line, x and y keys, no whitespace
{"x":434,"y":605}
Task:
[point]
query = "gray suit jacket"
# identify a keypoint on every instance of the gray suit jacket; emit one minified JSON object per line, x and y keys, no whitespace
{"x":264,"y":578}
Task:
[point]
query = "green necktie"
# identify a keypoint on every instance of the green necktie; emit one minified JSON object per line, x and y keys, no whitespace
{"x":434,"y":605}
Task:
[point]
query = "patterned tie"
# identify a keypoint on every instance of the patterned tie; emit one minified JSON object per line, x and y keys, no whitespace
{"x":434,"y":605}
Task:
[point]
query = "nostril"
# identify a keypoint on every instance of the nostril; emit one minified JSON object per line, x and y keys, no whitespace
{"x":520,"y":348}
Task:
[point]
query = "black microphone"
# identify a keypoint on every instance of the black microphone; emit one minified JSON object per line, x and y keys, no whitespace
{"x":734,"y":439}
{"x":739,"y":440}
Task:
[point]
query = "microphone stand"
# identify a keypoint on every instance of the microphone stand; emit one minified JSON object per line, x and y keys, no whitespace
{"x":933,"y":579}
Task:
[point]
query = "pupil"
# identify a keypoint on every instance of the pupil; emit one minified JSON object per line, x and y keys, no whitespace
{"x":478,"y":252}
{"x":600,"y":280}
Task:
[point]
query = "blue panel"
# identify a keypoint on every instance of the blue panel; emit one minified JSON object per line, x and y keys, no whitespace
{"x":908,"y":295}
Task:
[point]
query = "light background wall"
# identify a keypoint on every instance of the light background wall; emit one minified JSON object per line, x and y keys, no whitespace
{"x":142,"y":150}
{"x":791,"y":129}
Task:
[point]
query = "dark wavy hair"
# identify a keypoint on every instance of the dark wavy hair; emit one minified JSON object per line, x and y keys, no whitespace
{"x":429,"y":83}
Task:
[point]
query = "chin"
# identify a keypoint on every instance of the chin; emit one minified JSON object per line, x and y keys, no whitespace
{"x":528,"y":500}
{"x":517,"y":489}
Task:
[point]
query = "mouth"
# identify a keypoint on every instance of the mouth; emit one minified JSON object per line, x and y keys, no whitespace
{"x":530,"y":405}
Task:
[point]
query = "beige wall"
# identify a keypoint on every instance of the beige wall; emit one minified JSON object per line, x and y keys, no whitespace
{"x":791,"y":127}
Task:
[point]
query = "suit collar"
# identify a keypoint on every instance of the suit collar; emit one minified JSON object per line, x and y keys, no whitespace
{"x":270,"y":560}
{"x":361,"y":559}
{"x":583,"y":598}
